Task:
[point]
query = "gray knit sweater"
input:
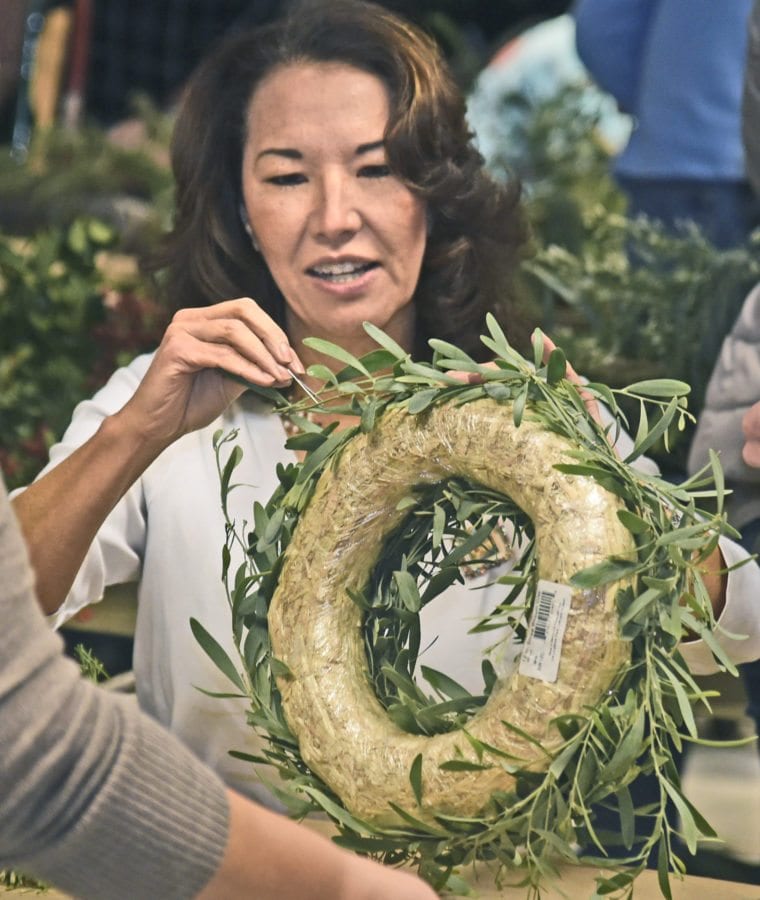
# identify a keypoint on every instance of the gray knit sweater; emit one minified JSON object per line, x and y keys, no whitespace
{"x":95,"y":797}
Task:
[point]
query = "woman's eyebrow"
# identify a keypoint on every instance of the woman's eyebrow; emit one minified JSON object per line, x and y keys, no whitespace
{"x":368,"y":148}
{"x":287,"y":152}
{"x":292,"y":153}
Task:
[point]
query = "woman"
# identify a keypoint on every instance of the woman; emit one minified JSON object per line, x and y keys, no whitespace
{"x":325,"y":177}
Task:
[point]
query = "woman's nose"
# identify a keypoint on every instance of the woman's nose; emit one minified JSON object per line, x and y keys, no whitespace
{"x":336,"y":214}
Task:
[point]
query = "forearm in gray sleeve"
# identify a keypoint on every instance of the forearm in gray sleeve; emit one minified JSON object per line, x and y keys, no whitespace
{"x":95,"y":797}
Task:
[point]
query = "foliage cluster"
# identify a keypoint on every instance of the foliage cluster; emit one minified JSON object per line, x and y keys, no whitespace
{"x":72,"y":173}
{"x":632,"y":729}
{"x":61,"y":334}
{"x":625,"y":298}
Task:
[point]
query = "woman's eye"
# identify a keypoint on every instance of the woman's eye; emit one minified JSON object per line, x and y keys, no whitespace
{"x":289,"y":180}
{"x":381,"y":170}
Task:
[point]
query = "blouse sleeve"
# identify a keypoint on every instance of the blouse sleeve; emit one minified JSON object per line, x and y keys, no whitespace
{"x":738,"y":630}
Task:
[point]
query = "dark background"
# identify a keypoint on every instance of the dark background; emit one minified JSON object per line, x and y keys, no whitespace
{"x":151,"y":46}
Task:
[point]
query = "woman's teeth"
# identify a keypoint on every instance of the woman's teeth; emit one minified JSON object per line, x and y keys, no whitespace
{"x":341,"y":272}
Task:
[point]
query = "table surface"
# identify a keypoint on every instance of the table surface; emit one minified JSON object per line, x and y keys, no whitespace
{"x":575,"y":883}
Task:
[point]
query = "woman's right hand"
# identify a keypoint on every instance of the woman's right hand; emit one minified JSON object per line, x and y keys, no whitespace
{"x":186,"y":387}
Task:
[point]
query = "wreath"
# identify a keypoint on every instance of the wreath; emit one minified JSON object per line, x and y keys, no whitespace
{"x":379,"y":519}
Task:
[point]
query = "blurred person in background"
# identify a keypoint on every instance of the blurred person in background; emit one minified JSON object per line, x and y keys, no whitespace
{"x":729,"y":423}
{"x":676,"y":66}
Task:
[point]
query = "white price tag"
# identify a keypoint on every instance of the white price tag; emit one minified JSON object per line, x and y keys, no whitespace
{"x":543,"y":646}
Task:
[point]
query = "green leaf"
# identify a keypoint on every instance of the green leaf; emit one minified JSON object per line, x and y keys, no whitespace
{"x":443,"y":684}
{"x":381,"y":338}
{"x":421,"y":400}
{"x":645,"y":599}
{"x":217,"y":654}
{"x":635,"y":524}
{"x":334,"y":811}
{"x":655,"y":433}
{"x":327,"y":348}
{"x":489,"y":674}
{"x":503,"y":348}
{"x":519,"y":406}
{"x":627,"y":821}
{"x":688,"y":825}
{"x":279,"y":668}
{"x":659,"y":387}
{"x":233,"y":460}
{"x":562,"y":760}
{"x":684,"y":704}
{"x":444,"y":349}
{"x":627,"y":751}
{"x":374,"y":361}
{"x":605,"y":572}
{"x":314,"y":461}
{"x":418,"y":824}
{"x":497,"y":391}
{"x":415,"y":778}
{"x":272,"y":530}
{"x":616,"y":883}
{"x":718,"y":478}
{"x":439,"y":523}
{"x":662,"y":868}
{"x":463,"y":765}
{"x":369,"y":414}
{"x":323,"y":373}
{"x":408,"y":591}
{"x":440,"y":581}
{"x":643,"y":430}
{"x":537,"y":342}
{"x":556,"y":368}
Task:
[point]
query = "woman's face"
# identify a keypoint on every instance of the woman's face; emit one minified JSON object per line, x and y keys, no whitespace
{"x":342,"y":236}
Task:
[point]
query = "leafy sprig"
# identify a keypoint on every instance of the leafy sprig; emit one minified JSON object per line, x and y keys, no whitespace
{"x":633,"y":729}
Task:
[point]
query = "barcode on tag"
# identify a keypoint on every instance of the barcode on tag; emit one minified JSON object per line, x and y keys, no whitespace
{"x":543,"y":646}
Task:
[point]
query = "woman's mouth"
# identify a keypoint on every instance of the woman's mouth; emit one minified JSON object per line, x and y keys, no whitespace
{"x":341,"y":272}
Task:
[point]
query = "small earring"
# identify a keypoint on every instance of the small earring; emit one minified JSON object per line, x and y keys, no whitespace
{"x":248,"y":229}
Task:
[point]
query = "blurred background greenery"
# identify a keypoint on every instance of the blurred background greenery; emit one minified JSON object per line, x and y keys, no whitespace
{"x":624,"y":299}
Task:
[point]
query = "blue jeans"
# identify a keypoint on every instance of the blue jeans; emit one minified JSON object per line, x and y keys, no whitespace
{"x":726,"y":211}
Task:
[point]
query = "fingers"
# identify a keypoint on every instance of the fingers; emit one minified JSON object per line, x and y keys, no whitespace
{"x":247,"y":340}
{"x":470,"y":377}
{"x":751,"y":428}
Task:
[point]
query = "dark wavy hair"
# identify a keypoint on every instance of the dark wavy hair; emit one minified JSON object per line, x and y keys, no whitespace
{"x":476,"y":224}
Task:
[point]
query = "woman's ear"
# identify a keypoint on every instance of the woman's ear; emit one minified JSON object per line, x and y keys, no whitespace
{"x":247,"y":225}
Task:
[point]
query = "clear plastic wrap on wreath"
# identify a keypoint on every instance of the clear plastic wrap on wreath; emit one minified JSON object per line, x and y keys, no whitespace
{"x":344,"y":733}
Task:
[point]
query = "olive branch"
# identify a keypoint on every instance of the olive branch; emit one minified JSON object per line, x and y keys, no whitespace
{"x":647,"y":713}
